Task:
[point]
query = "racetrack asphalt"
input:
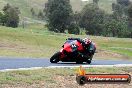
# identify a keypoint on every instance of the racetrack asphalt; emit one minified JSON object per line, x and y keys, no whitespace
{"x":16,"y":63}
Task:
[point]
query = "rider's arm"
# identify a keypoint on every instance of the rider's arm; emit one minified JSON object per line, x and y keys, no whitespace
{"x":78,"y":39}
{"x":73,"y":38}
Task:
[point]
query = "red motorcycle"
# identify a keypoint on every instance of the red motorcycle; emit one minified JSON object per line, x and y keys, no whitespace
{"x":75,"y":50}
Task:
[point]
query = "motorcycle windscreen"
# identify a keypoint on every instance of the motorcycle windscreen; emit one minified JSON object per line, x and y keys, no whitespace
{"x":70,"y":45}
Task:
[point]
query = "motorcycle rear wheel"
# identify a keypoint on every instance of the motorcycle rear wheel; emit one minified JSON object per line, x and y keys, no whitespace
{"x":90,"y":59}
{"x":55,"y":58}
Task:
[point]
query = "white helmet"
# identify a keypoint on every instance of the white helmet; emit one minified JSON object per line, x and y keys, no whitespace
{"x":87,"y":41}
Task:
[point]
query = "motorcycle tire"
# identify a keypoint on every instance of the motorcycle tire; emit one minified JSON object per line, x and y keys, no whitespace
{"x":90,"y":59}
{"x":55,"y":58}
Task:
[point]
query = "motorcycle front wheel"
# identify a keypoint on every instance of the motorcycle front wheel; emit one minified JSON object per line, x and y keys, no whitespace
{"x":55,"y":58}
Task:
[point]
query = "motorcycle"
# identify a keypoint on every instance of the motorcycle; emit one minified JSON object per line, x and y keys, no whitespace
{"x":75,"y":51}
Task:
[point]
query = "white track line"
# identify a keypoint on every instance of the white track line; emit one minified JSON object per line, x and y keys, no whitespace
{"x":104,"y":66}
{"x":21,"y":69}
{"x":86,"y":66}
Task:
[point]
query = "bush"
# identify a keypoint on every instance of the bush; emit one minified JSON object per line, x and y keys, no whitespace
{"x":73,"y":29}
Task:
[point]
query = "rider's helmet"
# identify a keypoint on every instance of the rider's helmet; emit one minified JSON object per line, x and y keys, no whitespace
{"x":87,"y":41}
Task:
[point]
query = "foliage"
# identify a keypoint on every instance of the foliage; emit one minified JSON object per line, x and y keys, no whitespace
{"x":115,"y":28}
{"x":123,"y":2}
{"x":10,"y":17}
{"x":130,"y":19}
{"x":120,"y":8}
{"x":59,"y":14}
{"x":73,"y":29}
{"x":92,"y":19}
{"x":2,"y":19}
{"x":33,"y":12}
{"x":41,"y":15}
{"x":96,"y":1}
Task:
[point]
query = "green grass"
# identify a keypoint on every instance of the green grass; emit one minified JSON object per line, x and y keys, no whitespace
{"x":122,"y":51}
{"x":48,"y":75}
{"x":32,"y":76}
{"x":122,"y":46}
{"x":24,"y":5}
{"x":28,"y":42}
{"x":37,"y":41}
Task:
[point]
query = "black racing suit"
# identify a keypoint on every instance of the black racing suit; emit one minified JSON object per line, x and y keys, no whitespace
{"x":88,"y":47}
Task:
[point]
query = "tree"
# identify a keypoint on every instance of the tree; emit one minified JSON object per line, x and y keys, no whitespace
{"x":117,"y":11}
{"x":3,"y":19}
{"x":1,"y":16}
{"x":74,"y":26}
{"x":130,"y":11}
{"x":73,"y":29}
{"x":96,"y":1}
{"x":92,"y":19}
{"x":120,"y":8}
{"x":76,"y":17}
{"x":115,"y":28}
{"x":33,"y":12}
{"x":11,"y":16}
{"x":7,"y":7}
{"x":58,"y":14}
{"x":123,"y":2}
{"x":130,"y":19}
{"x":40,"y":15}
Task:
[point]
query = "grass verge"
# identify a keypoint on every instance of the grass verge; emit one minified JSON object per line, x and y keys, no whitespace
{"x":51,"y":77}
{"x":39,"y":42}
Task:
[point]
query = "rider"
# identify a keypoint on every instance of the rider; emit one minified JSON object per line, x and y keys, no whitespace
{"x":87,"y":44}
